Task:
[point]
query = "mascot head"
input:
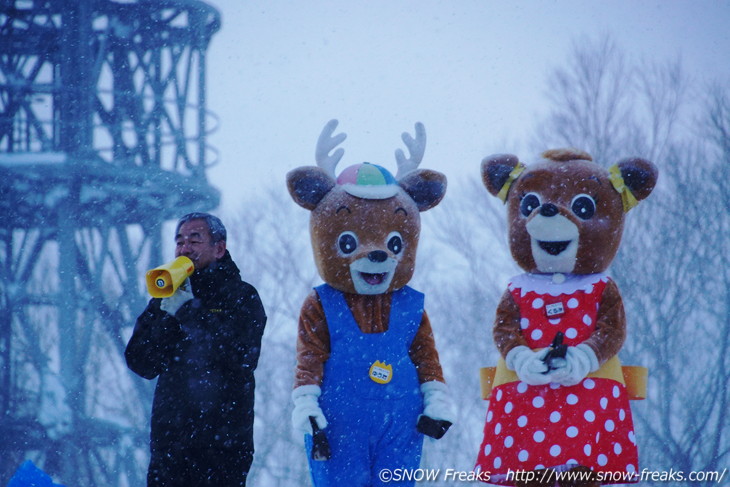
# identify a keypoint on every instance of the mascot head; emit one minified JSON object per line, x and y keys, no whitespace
{"x":566,"y":213}
{"x":365,"y":223}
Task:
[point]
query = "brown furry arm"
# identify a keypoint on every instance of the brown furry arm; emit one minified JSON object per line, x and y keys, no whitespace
{"x":424,"y":355}
{"x":313,"y":343}
{"x":610,"y":331}
{"x":506,"y":332}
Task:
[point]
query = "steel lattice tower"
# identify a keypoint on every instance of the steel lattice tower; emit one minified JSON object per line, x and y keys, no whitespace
{"x":103,"y":126}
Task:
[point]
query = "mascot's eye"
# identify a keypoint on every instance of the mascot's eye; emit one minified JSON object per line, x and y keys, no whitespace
{"x":395,"y":243}
{"x":583,"y":206}
{"x":530,"y":202}
{"x":347,"y":242}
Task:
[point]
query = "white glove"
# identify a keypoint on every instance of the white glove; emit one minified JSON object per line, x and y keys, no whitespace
{"x":437,"y":402}
{"x":306,"y":404}
{"x":181,"y":296}
{"x":579,"y":362}
{"x":528,"y":365}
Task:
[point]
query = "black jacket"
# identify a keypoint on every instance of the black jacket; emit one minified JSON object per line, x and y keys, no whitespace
{"x":205,"y":358}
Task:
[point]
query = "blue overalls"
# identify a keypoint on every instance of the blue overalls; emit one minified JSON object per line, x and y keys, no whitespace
{"x":371,"y":421}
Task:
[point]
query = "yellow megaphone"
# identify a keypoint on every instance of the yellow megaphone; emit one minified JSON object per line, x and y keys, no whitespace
{"x":163,"y":281}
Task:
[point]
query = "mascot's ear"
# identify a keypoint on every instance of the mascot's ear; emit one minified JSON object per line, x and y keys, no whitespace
{"x":308,"y":185}
{"x":639,"y":176}
{"x":497,"y":171}
{"x":426,"y":187}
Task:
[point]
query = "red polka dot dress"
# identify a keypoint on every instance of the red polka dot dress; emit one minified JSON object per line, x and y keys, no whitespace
{"x":553,"y":426}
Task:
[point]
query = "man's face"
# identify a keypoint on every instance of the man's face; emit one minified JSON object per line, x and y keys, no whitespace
{"x":193,"y":240}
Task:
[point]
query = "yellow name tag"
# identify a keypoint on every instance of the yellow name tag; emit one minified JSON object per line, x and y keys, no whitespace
{"x":380,"y":372}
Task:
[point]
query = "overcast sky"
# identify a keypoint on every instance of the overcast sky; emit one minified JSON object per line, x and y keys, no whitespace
{"x":474,"y":72}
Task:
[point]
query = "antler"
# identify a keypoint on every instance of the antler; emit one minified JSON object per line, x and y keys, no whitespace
{"x":416,"y":148}
{"x":325,"y":144}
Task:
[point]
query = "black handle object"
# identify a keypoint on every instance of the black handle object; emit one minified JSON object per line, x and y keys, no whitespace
{"x":320,"y":446}
{"x":557,"y":350}
{"x":435,"y":428}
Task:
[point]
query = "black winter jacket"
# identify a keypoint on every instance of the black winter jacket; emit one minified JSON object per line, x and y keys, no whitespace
{"x":205,"y":358}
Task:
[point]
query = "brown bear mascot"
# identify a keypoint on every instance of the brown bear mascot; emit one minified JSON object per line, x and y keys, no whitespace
{"x":559,"y":402}
{"x":368,"y":374}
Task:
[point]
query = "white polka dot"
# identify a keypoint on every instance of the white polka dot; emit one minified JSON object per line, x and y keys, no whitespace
{"x":497,"y":462}
{"x":572,"y":432}
{"x":617,"y":448}
{"x":572,"y":399}
{"x":524,"y":323}
{"x":632,"y":437}
{"x":508,"y":407}
{"x":522,"y":421}
{"x":609,"y":425}
{"x":589,"y":384}
{"x":509,"y":441}
{"x":536,"y":334}
{"x":498,"y":428}
{"x":538,"y":303}
{"x":499,"y":395}
{"x":572,"y":461}
{"x":522,"y":387}
{"x":554,"y":321}
{"x":587,"y":450}
{"x":630,"y":468}
{"x":539,"y":436}
{"x":598,"y":437}
{"x":572,"y":303}
{"x":589,"y":416}
{"x":554,"y":385}
{"x":539,"y":466}
{"x":538,"y":402}
{"x":602,"y":460}
{"x":571,"y":333}
{"x":523,"y":455}
{"x":616,"y":391}
{"x":555,"y":450}
{"x":490,"y":415}
{"x":604,"y":403}
{"x":622,"y":415}
{"x":554,"y":417}
{"x":587,"y":320}
{"x":487,"y":450}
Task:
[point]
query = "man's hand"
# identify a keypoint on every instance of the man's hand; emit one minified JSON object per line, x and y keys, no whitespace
{"x":181,"y":296}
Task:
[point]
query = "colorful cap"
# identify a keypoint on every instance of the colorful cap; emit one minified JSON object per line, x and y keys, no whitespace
{"x":368,"y":181}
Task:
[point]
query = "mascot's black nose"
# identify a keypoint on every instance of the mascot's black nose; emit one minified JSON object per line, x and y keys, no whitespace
{"x":548,"y":209}
{"x":377,"y":256}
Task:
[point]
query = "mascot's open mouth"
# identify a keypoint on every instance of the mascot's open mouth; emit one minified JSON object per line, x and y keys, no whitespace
{"x":374,"y":279}
{"x":554,"y":248}
{"x":370,"y":277}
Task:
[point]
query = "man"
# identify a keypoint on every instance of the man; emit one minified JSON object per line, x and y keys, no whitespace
{"x":203,"y":342}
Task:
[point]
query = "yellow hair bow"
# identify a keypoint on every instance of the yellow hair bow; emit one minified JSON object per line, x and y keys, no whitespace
{"x":514,"y":174}
{"x":627,"y":197}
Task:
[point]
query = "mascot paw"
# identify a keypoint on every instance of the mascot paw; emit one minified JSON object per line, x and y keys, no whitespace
{"x":528,"y":365}
{"x":306,"y":405}
{"x":579,"y":362}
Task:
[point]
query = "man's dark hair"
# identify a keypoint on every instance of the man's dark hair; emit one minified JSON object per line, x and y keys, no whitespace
{"x":215,"y":225}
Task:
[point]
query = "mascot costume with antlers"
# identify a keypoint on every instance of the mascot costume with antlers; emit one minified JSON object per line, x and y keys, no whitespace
{"x":559,"y":400}
{"x":368,"y":373}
